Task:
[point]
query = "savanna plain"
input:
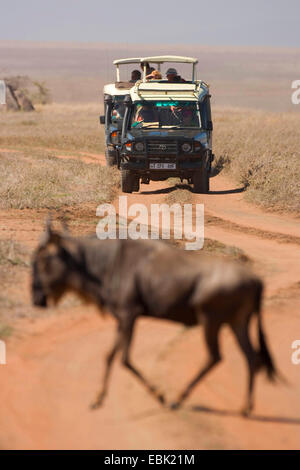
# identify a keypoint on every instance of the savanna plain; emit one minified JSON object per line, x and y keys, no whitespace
{"x":52,"y":159}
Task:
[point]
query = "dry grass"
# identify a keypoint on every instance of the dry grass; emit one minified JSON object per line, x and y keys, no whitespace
{"x":35,"y":178}
{"x":48,"y":182}
{"x":180,"y":193}
{"x":258,"y":149}
{"x":13,"y":253}
{"x":216,"y":249}
{"x":261,"y":151}
{"x":69,"y":128}
{"x":14,"y":265}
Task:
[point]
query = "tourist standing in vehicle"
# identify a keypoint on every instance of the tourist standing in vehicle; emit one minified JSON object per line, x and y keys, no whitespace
{"x":155,"y":75}
{"x":135,"y":76}
{"x":173,"y":77}
{"x":149,"y":69}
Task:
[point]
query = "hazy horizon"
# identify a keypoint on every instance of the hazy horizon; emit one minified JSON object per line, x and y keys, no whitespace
{"x":241,"y":76}
{"x":231,"y":23}
{"x":124,"y":46}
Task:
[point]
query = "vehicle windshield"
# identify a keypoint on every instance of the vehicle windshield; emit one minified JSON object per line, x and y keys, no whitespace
{"x":166,"y":114}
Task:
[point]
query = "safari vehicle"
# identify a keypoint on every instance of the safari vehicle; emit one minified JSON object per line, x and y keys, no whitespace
{"x":167,"y":130}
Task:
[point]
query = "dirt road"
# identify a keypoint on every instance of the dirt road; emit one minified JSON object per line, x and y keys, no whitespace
{"x":55,"y":362}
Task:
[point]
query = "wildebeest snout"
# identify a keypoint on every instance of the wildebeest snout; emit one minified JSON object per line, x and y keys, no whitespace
{"x":39,"y":298}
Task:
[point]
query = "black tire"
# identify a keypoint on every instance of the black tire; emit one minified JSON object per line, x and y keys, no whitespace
{"x":111,"y":157}
{"x":136,"y":183}
{"x":127,"y":181}
{"x":201,"y":181}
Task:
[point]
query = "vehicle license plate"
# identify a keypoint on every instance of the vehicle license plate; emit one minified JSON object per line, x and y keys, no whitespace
{"x":162,"y":166}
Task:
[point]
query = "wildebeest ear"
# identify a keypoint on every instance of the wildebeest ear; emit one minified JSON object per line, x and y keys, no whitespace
{"x":66,"y":230}
{"x":50,"y":236}
{"x":48,"y":224}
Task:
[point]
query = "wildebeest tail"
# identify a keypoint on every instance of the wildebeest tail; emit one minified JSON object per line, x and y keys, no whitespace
{"x":265,"y":356}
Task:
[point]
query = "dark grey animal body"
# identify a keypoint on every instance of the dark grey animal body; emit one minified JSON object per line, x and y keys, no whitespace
{"x":150,"y":278}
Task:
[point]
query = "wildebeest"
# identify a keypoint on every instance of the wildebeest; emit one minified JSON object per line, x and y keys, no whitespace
{"x":132,"y":278}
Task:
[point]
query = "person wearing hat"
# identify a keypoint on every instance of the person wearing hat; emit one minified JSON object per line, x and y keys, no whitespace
{"x":171,"y":75}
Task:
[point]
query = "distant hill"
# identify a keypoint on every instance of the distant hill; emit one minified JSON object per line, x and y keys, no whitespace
{"x":239,"y":76}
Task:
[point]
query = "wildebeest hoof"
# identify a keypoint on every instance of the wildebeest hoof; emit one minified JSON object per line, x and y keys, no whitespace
{"x":175,"y":405}
{"x":246,"y":411}
{"x":161,"y":399}
{"x":95,"y":405}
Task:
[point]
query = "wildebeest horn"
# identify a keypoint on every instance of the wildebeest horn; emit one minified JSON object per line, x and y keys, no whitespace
{"x":65,"y":226}
{"x":48,"y":232}
{"x":48,"y":224}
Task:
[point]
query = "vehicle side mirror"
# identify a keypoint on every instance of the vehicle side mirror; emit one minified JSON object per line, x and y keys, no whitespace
{"x":102,"y":119}
{"x":210,"y":126}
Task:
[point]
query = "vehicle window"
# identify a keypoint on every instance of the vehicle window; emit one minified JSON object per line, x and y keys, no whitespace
{"x":180,"y":114}
{"x":118,"y":108}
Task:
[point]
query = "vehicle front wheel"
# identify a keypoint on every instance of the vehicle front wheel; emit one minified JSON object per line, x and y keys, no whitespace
{"x":127,"y":181}
{"x":136,"y":183}
{"x":201,"y":181}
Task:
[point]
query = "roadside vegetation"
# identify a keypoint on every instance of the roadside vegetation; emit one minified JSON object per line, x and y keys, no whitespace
{"x":63,"y":127}
{"x":14,"y":267}
{"x":13,"y":254}
{"x":44,"y":181}
{"x":260,"y":150}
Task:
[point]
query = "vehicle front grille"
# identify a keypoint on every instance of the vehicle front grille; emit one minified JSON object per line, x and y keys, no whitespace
{"x":159,"y":146}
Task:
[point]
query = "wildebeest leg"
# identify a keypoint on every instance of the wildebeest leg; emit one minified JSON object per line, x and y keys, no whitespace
{"x":242,"y":334}
{"x":211,"y":332}
{"x":109,"y":360}
{"x":127,"y":363}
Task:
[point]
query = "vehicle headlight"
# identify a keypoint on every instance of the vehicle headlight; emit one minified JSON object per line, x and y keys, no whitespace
{"x":139,"y":147}
{"x":186,"y":147}
{"x":128,"y":146}
{"x":114,"y":137}
{"x":197,"y":146}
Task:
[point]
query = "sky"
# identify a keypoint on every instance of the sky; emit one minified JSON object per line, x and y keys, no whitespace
{"x":211,"y":22}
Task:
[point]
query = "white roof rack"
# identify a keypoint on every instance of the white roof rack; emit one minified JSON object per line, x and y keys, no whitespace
{"x":132,"y":60}
{"x":159,"y":59}
{"x":170,"y":58}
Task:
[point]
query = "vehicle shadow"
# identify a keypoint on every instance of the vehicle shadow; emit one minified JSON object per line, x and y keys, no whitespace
{"x":170,"y":189}
{"x":230,"y":191}
{"x":252,"y":417}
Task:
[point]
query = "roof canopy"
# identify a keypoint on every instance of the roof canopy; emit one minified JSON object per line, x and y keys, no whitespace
{"x":132,"y":60}
{"x":157,"y":60}
{"x":170,"y":58}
